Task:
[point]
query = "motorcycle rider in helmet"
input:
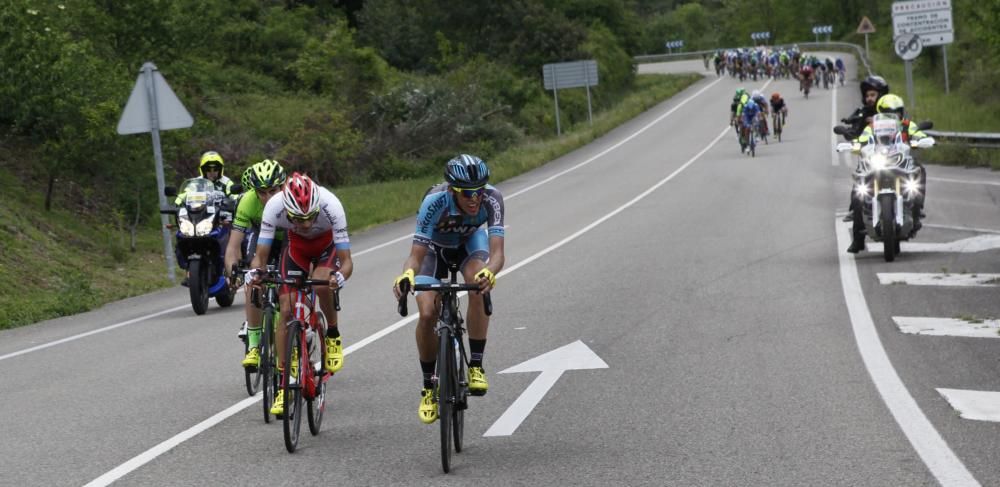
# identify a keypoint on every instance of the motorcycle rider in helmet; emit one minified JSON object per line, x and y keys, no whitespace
{"x":889,"y":104}
{"x":872,"y":88}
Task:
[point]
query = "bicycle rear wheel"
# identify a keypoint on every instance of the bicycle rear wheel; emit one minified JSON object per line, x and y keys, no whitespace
{"x":446,"y":388}
{"x":268,"y":372}
{"x":292,"y":418}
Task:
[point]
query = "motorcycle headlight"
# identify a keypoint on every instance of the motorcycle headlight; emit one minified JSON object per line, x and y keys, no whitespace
{"x":186,"y":227}
{"x":861,"y":189}
{"x":912,"y":187}
{"x":879,"y":161}
{"x":204,"y":227}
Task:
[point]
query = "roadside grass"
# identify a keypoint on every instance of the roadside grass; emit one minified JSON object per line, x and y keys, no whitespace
{"x":58,"y":263}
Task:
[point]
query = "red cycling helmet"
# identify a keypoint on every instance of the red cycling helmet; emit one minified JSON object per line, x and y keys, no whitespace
{"x":301,"y":197}
{"x":775,"y":96}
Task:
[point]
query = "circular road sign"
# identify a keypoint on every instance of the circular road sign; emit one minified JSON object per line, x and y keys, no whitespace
{"x":908,"y":46}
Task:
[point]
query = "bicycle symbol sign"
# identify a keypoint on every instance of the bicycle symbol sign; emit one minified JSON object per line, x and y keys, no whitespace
{"x":908,"y":46}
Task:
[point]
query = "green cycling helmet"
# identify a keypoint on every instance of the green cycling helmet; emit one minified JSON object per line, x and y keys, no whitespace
{"x":263,"y":175}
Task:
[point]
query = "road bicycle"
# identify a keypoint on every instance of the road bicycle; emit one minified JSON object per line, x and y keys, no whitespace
{"x":267,"y":370}
{"x":451,"y":380}
{"x":304,"y":378}
{"x":777,"y":121}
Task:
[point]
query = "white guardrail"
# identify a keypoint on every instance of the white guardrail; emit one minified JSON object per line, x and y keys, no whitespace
{"x":970,"y":139}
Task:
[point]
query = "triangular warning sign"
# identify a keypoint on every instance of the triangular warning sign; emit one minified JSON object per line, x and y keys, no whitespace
{"x":866,"y":26}
{"x":136,"y":117}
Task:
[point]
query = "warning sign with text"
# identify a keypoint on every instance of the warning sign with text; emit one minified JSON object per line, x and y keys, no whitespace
{"x":930,"y":19}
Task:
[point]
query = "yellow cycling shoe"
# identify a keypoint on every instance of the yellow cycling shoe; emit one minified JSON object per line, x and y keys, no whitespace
{"x":428,"y":411}
{"x":334,"y":354}
{"x":278,"y":408}
{"x":253,"y":358}
{"x":477,"y":381}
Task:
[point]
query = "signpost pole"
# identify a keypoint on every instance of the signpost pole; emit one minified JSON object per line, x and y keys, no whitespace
{"x":908,"y":68}
{"x":944,"y":53}
{"x":590,"y":112}
{"x":555,"y":93}
{"x":168,"y":248}
{"x":867,"y":54}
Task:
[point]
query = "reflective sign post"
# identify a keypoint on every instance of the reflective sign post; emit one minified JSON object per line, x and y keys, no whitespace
{"x":152,"y":107}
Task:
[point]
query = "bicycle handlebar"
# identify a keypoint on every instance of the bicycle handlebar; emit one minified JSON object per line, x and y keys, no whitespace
{"x":274,"y":277}
{"x":404,"y":288}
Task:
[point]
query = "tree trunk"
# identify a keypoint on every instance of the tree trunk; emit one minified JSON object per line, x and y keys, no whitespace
{"x":48,"y":193}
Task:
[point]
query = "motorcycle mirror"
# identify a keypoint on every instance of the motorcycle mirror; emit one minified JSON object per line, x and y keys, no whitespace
{"x":169,"y":191}
{"x":840,"y":129}
{"x":925,"y":125}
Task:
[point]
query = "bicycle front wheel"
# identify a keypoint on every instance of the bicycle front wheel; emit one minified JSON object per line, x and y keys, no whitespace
{"x":295,"y":352}
{"x":317,"y":405}
{"x":268,"y":372}
{"x":461,"y":397}
{"x":446,"y":388}
{"x":251,"y":375}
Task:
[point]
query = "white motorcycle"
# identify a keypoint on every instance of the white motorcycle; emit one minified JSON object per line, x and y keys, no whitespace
{"x":888,"y":182}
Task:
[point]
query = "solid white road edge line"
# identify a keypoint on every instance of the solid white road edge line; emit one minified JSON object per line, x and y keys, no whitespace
{"x":404,"y":237}
{"x":833,"y":121}
{"x":928,"y":443}
{"x":147,"y":456}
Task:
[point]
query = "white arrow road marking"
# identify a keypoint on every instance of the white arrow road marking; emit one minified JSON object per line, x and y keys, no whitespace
{"x":954,"y":327}
{"x":938,"y":279}
{"x":574,"y":356}
{"x":977,"y":405}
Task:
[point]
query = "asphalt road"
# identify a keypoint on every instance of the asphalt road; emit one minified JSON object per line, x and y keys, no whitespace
{"x":712,"y":285}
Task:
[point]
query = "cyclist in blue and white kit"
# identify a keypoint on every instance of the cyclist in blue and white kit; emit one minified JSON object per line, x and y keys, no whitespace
{"x":449,"y":229}
{"x":750,"y":112}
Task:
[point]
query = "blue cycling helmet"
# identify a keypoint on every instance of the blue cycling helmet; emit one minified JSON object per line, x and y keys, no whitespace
{"x":467,"y":171}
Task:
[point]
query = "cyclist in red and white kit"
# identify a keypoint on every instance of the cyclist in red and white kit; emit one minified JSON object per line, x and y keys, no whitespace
{"x":317,"y":239}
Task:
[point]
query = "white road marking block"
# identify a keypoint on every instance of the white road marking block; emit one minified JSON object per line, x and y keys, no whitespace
{"x":938,"y":279}
{"x":954,"y":327}
{"x":975,"y":405}
{"x":969,"y":245}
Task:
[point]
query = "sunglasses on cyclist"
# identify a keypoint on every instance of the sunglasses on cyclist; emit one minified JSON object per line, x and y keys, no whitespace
{"x":302,"y":219}
{"x":268,"y":191}
{"x":470,"y":192}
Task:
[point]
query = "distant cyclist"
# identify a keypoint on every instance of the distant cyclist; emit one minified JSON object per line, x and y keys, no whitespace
{"x":449,"y":229}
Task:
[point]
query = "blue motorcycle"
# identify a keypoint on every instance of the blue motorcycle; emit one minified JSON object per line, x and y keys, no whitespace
{"x":203,"y":222}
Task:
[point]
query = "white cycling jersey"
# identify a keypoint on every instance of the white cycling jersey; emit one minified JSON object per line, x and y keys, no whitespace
{"x":331,"y":223}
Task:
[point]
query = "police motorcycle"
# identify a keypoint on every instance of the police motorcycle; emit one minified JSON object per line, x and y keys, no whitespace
{"x":888,"y":182}
{"x":203,"y":220}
